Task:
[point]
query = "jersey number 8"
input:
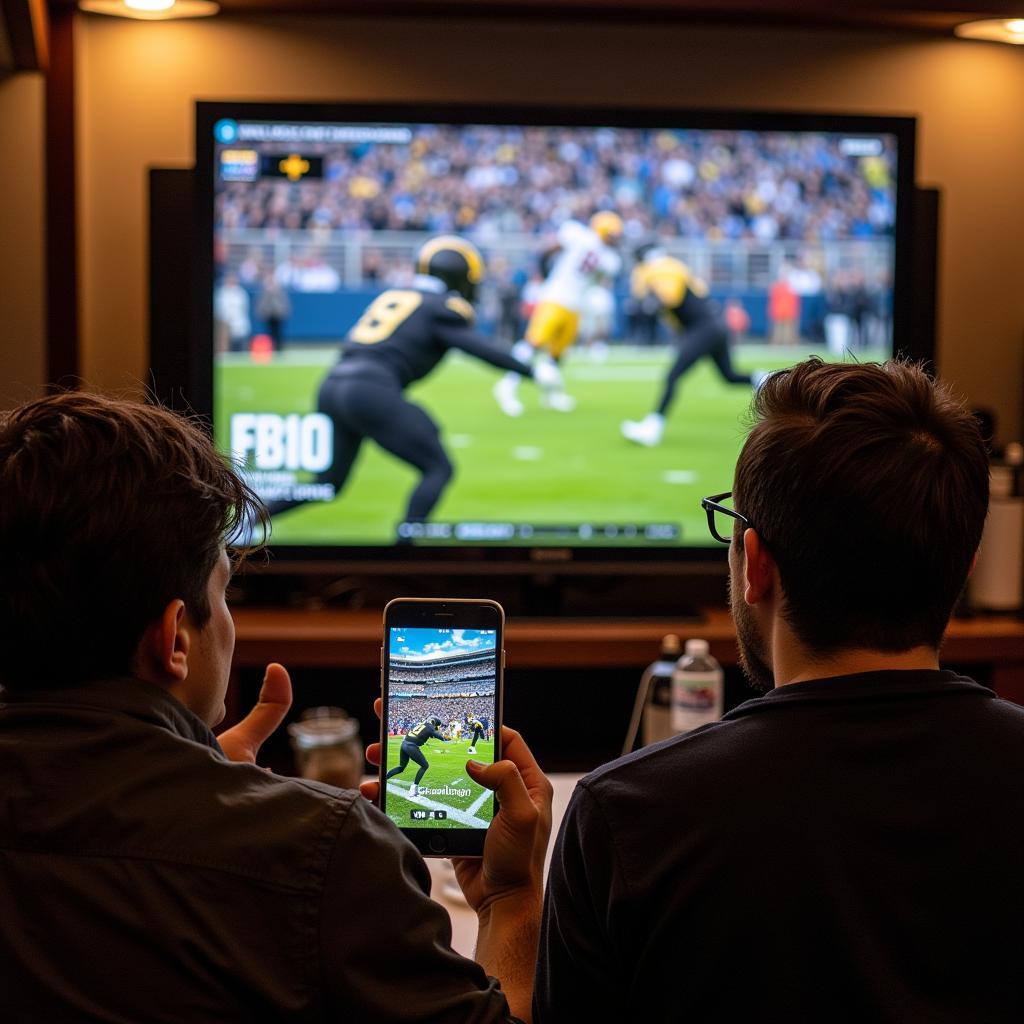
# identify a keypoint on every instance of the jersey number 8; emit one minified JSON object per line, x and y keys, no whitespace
{"x":384,"y":315}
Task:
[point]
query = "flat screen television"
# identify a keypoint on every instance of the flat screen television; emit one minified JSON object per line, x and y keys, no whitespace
{"x":317,"y":245}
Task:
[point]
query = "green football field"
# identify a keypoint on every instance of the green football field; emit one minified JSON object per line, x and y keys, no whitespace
{"x":545,"y":467}
{"x":462,"y":800}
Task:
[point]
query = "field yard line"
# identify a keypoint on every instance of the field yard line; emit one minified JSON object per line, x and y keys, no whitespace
{"x":479,"y":801}
{"x":462,"y":817}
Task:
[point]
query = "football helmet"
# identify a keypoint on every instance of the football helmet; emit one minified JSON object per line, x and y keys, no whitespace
{"x":607,"y":226}
{"x":435,"y":721}
{"x":648,"y":251}
{"x":453,"y":260}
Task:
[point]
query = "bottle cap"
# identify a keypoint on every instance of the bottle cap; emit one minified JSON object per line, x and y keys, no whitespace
{"x":697,"y":648}
{"x":670,"y":645}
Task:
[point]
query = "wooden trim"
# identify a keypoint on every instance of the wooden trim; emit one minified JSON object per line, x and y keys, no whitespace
{"x":27,"y":31}
{"x":353,"y":639}
{"x":62,"y":320}
{"x":927,"y":17}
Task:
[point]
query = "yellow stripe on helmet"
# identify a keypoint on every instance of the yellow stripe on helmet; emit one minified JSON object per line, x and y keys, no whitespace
{"x":474,"y":261}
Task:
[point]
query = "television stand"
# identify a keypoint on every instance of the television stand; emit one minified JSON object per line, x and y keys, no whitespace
{"x":602,"y":592}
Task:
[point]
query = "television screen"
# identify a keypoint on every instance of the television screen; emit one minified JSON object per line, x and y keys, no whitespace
{"x":498,"y":329}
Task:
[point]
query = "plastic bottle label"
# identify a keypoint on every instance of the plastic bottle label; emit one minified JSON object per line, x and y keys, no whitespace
{"x":696,"y":699}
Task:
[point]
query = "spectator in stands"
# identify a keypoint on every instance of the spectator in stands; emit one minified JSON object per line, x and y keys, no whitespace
{"x":144,"y":875}
{"x":855,"y":833}
{"x":231,"y":324}
{"x":273,"y":307}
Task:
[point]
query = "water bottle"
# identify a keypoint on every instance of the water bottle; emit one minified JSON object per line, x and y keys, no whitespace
{"x":654,"y":697}
{"x":997,"y":583}
{"x":697,"y":686}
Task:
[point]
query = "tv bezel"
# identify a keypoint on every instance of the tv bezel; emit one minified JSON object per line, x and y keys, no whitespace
{"x":509,"y":559}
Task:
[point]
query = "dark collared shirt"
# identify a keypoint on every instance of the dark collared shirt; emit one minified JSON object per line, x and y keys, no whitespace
{"x":143,"y":877}
{"x":842,"y":850}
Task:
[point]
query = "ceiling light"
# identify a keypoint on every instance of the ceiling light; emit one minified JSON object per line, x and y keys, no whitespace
{"x":994,"y":30}
{"x":151,"y":10}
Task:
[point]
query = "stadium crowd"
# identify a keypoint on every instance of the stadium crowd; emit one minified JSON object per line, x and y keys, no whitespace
{"x":490,"y":182}
{"x":444,"y":672}
{"x":447,"y":708}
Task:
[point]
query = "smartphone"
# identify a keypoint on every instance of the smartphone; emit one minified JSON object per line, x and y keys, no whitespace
{"x":441,"y":682}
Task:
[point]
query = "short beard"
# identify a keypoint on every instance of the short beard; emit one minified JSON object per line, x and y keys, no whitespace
{"x":753,"y":650}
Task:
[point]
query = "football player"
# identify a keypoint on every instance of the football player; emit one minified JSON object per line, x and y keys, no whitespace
{"x":698,"y":327}
{"x":400,"y":338}
{"x":585,"y":256}
{"x":476,"y":727}
{"x":412,"y":750}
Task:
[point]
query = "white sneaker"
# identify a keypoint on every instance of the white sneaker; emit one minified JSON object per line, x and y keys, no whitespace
{"x":471,"y":750}
{"x":647,"y":431}
{"x":558,"y":400}
{"x":414,"y":789}
{"x":505,"y":395}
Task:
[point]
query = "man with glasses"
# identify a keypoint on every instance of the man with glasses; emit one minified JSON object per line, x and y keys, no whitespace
{"x":849,"y":846}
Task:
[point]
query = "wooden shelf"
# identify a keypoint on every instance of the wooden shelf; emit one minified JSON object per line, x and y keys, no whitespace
{"x":353,"y":639}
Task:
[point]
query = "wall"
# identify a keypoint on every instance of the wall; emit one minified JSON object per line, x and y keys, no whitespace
{"x":137,"y":82}
{"x":22,"y":280}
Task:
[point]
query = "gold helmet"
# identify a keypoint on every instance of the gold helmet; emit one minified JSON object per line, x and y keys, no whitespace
{"x":606,"y":225}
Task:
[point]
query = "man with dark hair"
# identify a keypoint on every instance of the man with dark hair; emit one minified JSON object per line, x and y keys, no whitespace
{"x":847,"y":847}
{"x":150,"y":871}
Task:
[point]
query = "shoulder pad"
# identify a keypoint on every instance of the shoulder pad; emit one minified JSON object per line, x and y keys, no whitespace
{"x":457,"y":304}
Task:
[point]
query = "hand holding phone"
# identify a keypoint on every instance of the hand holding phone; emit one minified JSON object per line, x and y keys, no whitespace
{"x":517,"y":839}
{"x":441,"y":687}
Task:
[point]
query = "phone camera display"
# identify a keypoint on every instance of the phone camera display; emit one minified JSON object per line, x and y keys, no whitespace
{"x":440,"y":713}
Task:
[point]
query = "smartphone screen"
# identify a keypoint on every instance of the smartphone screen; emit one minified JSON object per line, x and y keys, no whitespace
{"x":442,"y":672}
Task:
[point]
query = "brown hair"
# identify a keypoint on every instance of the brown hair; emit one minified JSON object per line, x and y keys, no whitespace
{"x":109,"y":510}
{"x":869,"y":485}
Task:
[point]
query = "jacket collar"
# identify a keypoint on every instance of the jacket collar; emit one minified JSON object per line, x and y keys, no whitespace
{"x":124,"y":695}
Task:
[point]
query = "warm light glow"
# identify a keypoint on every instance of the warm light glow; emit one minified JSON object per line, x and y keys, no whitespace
{"x":994,"y":30}
{"x":151,"y":10}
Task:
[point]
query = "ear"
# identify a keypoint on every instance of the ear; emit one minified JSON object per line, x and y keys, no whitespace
{"x":163,"y":651}
{"x":759,"y":571}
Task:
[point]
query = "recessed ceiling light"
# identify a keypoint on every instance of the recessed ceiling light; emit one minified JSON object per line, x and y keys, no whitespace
{"x":994,"y":30}
{"x":151,"y":10}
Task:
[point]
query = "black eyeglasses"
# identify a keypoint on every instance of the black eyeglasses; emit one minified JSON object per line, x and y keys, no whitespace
{"x":712,"y":505}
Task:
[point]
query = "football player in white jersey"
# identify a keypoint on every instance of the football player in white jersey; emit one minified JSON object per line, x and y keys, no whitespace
{"x":586,"y":255}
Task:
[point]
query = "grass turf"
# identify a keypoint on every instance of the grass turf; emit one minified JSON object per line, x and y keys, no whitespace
{"x":469,"y":804}
{"x":545,"y":467}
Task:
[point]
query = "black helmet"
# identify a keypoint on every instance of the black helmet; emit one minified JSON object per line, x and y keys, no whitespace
{"x":646,"y":248}
{"x":453,"y":260}
{"x":435,"y":721}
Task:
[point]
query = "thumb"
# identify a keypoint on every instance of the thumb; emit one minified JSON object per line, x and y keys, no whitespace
{"x":274,"y":701}
{"x":507,"y":782}
{"x":243,"y":741}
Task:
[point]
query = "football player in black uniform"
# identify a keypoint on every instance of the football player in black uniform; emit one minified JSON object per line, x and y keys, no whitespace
{"x":476,"y":726}
{"x":403,"y":334}
{"x":412,"y":750}
{"x":699,"y":327}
